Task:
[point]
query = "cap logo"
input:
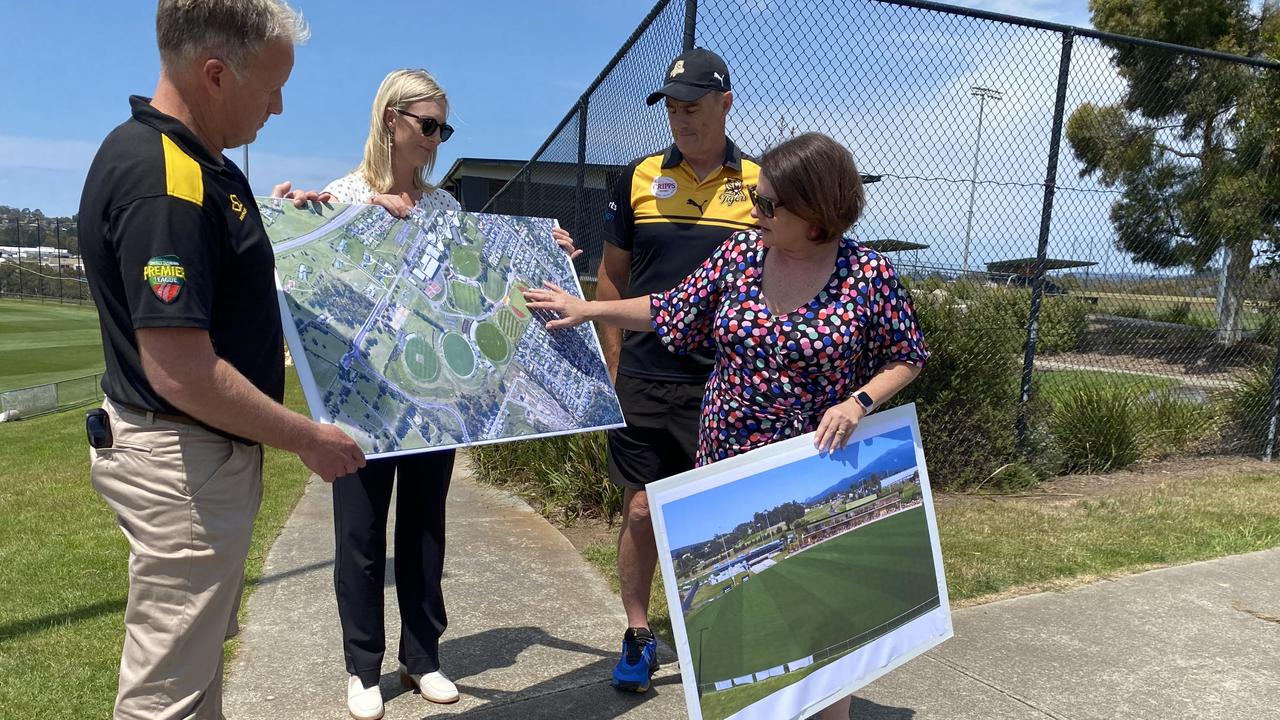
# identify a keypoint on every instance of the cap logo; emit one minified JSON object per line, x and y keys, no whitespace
{"x":718,"y":77}
{"x":677,"y":68}
{"x":166,"y":276}
{"x":664,"y":187}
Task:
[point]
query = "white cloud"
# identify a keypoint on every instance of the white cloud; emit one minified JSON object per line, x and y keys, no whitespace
{"x":1075,"y":12}
{"x":905,"y":111}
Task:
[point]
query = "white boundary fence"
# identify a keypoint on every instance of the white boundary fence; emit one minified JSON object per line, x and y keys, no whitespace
{"x":41,"y":399}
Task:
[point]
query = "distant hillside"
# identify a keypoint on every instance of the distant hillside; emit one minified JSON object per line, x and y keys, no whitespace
{"x":902,"y":457}
{"x":34,"y":228}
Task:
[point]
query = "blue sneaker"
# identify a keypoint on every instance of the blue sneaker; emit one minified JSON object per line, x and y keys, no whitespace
{"x":639,"y":661}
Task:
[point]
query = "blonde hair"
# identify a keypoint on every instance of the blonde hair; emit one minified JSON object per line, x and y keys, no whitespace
{"x":234,"y":31}
{"x":399,"y":89}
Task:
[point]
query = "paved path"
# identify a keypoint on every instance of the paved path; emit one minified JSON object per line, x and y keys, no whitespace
{"x":532,"y":627}
{"x":533,"y":631}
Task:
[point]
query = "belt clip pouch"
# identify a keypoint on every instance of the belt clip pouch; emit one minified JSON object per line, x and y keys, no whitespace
{"x":97,"y":425}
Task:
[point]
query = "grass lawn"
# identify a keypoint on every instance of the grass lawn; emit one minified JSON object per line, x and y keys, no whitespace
{"x":1194,"y":311}
{"x":999,"y":546}
{"x":63,"y":580}
{"x":1055,"y":383}
{"x":47,"y":342}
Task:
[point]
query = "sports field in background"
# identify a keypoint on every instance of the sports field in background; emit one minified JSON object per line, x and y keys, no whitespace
{"x":861,"y":580}
{"x":43,"y":342}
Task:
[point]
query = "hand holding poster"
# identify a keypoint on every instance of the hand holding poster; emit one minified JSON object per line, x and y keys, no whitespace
{"x":795,"y":578}
{"x":412,"y":334}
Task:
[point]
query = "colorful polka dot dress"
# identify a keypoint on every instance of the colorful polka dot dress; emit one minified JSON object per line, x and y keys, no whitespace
{"x":775,"y":376}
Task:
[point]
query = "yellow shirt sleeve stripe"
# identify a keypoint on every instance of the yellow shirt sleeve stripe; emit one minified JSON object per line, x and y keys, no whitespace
{"x":182,"y":175}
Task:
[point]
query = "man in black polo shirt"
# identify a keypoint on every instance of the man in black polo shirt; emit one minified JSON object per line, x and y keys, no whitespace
{"x":182,"y":273}
{"x":669,"y":211}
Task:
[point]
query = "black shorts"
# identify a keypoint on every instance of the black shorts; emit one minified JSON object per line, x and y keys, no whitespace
{"x":661,"y":436}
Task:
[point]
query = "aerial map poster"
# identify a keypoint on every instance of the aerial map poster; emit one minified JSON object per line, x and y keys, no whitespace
{"x":413,"y":334}
{"x":795,"y":578}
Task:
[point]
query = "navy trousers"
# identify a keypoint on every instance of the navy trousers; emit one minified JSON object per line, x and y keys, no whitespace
{"x":361,"y":503}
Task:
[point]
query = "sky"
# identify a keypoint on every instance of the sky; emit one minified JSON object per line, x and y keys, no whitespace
{"x":512,"y":70}
{"x":701,"y":517}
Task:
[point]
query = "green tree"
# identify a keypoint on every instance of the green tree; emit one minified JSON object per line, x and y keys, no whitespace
{"x":1192,"y":143}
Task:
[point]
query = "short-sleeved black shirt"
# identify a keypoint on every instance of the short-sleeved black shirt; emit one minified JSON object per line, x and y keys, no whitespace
{"x":172,"y":238}
{"x":670,"y":221}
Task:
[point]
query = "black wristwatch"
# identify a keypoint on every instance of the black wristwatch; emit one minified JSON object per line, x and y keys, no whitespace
{"x":864,"y":400}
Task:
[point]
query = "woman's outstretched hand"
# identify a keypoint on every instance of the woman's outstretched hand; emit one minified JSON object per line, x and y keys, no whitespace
{"x":551,"y":298}
{"x":565,"y":241}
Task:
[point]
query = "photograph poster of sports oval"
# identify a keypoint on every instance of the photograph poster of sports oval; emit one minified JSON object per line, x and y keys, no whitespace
{"x":796,"y":577}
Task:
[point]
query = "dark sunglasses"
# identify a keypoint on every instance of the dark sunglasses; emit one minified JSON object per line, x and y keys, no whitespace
{"x":430,"y":125}
{"x":766,"y":205}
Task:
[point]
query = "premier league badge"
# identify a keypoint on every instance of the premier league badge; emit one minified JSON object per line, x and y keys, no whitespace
{"x":166,"y":276}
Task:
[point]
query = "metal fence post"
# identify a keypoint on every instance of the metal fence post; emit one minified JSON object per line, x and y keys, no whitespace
{"x":690,"y":24}
{"x":39,"y":259}
{"x":57,"y":244}
{"x":17,"y":244}
{"x":1273,"y":408}
{"x":582,"y":166}
{"x":1046,"y":221}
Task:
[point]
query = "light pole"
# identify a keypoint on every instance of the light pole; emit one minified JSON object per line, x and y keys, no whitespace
{"x":983,"y":94}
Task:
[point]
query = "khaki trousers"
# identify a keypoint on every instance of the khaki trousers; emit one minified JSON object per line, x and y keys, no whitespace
{"x":186,"y":499}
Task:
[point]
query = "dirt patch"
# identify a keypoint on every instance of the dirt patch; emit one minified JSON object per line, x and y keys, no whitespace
{"x":588,"y":531}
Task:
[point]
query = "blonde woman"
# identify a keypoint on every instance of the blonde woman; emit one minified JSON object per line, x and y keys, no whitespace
{"x":408,"y":122}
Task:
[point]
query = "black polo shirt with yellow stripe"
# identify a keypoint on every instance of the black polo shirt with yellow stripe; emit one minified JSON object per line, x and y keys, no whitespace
{"x":671,"y":221}
{"x":172,"y":238}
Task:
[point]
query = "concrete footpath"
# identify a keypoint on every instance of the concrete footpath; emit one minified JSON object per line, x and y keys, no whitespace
{"x":534,"y":632}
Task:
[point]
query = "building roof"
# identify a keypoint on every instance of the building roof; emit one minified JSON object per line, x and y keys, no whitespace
{"x":892,"y":245}
{"x":511,"y":167}
{"x":1027,"y":266}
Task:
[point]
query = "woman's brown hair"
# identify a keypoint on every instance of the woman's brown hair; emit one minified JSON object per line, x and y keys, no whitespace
{"x":815,"y":178}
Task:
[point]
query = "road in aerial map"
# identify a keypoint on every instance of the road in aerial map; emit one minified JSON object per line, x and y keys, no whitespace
{"x":413,"y":334}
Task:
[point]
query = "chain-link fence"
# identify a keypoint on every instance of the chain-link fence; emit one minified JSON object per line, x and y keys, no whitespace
{"x":1082,"y":216}
{"x":39,"y":259}
{"x":51,"y":397}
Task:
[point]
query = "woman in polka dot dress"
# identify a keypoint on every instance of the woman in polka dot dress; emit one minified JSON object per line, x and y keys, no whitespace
{"x":811,"y":330}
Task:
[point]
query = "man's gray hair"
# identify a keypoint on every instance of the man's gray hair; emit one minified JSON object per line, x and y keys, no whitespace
{"x":233,"y":31}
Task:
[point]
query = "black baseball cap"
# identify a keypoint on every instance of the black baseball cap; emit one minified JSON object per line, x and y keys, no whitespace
{"x":691,"y":75}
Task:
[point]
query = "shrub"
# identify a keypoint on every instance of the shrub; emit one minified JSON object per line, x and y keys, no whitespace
{"x":1063,"y":320}
{"x":1130,"y":311}
{"x":566,"y":475}
{"x":1268,"y":332}
{"x":1011,"y":477}
{"x":1179,"y":314}
{"x":967,"y":395}
{"x":1247,"y":407}
{"x":1170,"y":424}
{"x":1095,"y":428}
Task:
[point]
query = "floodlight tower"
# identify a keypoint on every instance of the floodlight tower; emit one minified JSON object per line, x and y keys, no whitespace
{"x":983,"y":94}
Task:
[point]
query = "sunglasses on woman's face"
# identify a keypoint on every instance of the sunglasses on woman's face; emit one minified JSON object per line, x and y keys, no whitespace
{"x":429,"y":125}
{"x":766,"y":205}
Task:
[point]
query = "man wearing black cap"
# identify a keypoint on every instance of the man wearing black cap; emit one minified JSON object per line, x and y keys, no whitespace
{"x":669,"y":211}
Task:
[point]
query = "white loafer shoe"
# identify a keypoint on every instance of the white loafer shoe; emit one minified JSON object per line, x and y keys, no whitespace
{"x":363,"y":703}
{"x":433,"y":686}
